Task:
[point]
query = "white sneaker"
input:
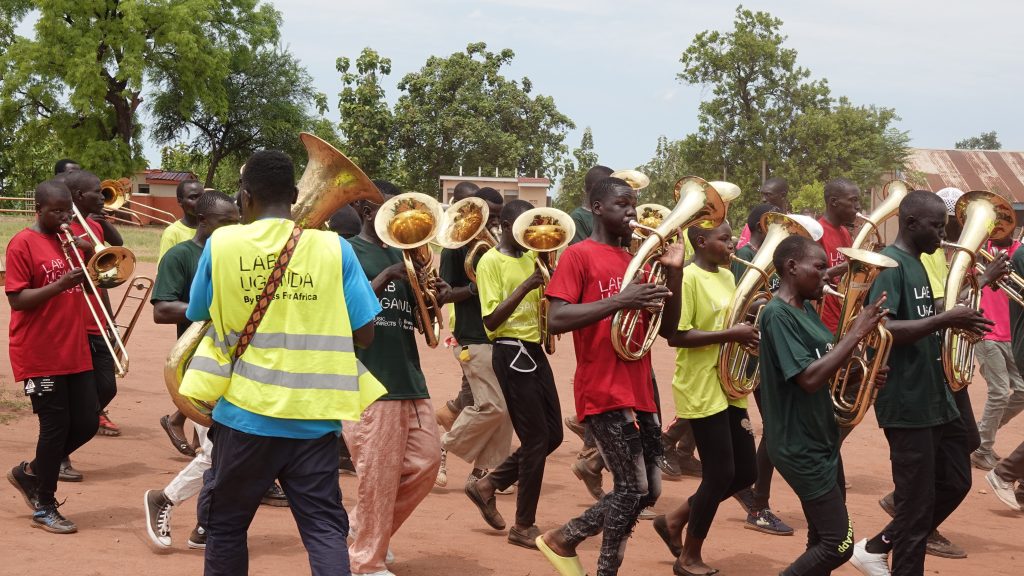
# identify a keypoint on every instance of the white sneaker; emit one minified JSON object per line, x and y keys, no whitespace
{"x":869,"y":564}
{"x":1003,"y":490}
{"x":442,"y":473}
{"x":389,"y":558}
{"x":380,"y":573}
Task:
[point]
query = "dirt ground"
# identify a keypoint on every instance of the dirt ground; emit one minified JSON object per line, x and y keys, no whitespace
{"x":446,"y":535}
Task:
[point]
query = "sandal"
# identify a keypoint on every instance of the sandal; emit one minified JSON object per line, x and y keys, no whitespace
{"x":180,"y":444}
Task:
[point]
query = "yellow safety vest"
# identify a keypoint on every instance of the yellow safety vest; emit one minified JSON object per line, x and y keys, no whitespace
{"x":301,"y":363}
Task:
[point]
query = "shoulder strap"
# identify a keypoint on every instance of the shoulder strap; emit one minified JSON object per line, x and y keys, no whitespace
{"x":276,"y":275}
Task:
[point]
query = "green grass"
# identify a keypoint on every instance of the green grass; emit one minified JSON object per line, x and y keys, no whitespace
{"x":143,"y":241}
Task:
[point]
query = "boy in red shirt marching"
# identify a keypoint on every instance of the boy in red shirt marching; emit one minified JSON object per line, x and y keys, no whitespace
{"x":49,"y":351}
{"x":614,"y":398}
{"x":842,"y":202}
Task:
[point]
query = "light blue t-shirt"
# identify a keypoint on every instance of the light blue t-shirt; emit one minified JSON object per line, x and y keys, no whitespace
{"x":363,"y":306}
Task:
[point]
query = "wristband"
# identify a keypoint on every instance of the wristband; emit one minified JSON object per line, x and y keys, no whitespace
{"x":472,"y":289}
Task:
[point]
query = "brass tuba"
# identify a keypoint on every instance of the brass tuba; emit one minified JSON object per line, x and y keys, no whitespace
{"x":329,"y":182}
{"x":734,"y":361}
{"x":545,"y":231}
{"x":869,"y":237}
{"x":117,"y":193}
{"x":409,"y":222}
{"x":636,"y":179}
{"x":984,"y":215}
{"x":853,"y":389}
{"x":463,"y":222}
{"x":699,"y":201}
{"x":649,"y":217}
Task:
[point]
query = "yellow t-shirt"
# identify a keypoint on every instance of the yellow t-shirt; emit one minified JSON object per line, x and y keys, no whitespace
{"x":497,"y":275}
{"x":938,"y":270}
{"x":696,"y":387}
{"x":173,"y":235}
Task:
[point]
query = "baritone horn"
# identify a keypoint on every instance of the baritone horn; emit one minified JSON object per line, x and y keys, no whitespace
{"x":853,"y":386}
{"x":737,"y":368}
{"x":1012,"y":284}
{"x":545,"y":231}
{"x":117,"y":193}
{"x":463,"y":222}
{"x":409,"y":222}
{"x":984,"y":216}
{"x":869,"y":237}
{"x":699,"y":202}
{"x":330,"y":182}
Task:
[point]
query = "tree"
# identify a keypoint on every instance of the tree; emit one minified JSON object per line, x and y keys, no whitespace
{"x":983,"y":141}
{"x":86,"y":67}
{"x":461,"y":111}
{"x":570,"y":191}
{"x":664,"y":170}
{"x":367,"y":123}
{"x":268,"y":96}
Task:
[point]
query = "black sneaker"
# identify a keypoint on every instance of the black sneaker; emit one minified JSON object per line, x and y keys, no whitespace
{"x":346,"y":467}
{"x":746,"y":499}
{"x":67,"y":473}
{"x":274,"y":496}
{"x":767,"y":522}
{"x":158,"y":517}
{"x":27,"y":484}
{"x":197,"y":539}
{"x":48,"y":518}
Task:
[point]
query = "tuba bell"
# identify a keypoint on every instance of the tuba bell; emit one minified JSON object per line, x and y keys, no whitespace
{"x":636,"y":179}
{"x":649,"y":217}
{"x":409,"y":222}
{"x":463,"y":222}
{"x":699,"y":201}
{"x":984,"y":215}
{"x":869,"y":237}
{"x":329,"y":182}
{"x":853,"y":389}
{"x":738,"y":377}
{"x":545,"y":231}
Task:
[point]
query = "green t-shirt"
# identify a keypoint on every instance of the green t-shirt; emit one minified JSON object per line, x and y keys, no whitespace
{"x":393,"y":358}
{"x":747,"y":253}
{"x":497,"y":275}
{"x":584,"y":220}
{"x":1016,"y":313}
{"x":469,"y":328}
{"x":696,"y":387}
{"x":174,"y":276}
{"x":915,"y":394}
{"x":800,"y":428}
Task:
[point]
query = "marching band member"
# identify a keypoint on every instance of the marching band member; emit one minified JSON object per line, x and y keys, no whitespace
{"x":842,"y":202}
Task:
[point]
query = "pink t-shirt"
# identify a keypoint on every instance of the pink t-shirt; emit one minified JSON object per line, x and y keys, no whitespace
{"x":744,"y":237}
{"x":995,"y":305}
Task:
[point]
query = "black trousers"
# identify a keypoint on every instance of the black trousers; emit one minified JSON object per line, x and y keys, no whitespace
{"x":528,"y":385}
{"x":103,"y":371}
{"x":963,"y":404}
{"x":244,"y":466}
{"x":67,"y":420}
{"x":931,"y":469}
{"x":763,"y":486}
{"x":725,"y":444}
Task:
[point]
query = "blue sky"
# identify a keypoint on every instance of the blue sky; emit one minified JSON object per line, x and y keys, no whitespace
{"x":950,"y":70}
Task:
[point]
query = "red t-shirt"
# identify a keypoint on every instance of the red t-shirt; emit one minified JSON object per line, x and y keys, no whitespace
{"x":48,"y":340}
{"x":832,"y":239}
{"x":587,"y":272}
{"x":90,"y":323}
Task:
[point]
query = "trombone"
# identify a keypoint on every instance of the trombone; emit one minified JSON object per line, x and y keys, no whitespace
{"x":545,"y":231}
{"x":118,"y":193}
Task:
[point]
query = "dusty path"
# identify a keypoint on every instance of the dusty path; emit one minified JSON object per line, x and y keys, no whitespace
{"x":445,"y":536}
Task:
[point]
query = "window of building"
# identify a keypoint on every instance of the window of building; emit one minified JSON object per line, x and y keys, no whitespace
{"x":510,"y":194}
{"x":143,"y":189}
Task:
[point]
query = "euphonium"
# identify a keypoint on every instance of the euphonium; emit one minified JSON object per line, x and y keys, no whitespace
{"x":869,"y":237}
{"x":853,"y":387}
{"x":752,"y":291}
{"x":463,"y":222}
{"x":409,"y":222}
{"x":545,"y":231}
{"x":984,"y":215}
{"x":699,"y":201}
{"x":329,"y":182}
{"x":117,"y":193}
{"x":636,"y":179}
{"x":649,"y":216}
{"x":1012,"y":284}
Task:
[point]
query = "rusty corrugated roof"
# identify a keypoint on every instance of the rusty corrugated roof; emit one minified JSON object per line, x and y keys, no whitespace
{"x":170,"y":176}
{"x":998,"y":171}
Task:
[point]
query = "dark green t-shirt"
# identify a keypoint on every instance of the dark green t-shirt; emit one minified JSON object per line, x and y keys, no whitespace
{"x":800,"y":427}
{"x":1016,"y":313}
{"x":584,"y":220}
{"x":174,"y":276}
{"x":393,"y":358}
{"x":469,"y":327}
{"x":915,"y":394}
{"x":747,"y":253}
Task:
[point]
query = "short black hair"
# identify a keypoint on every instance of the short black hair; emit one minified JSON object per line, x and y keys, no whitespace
{"x":754,"y":218}
{"x":775,"y":182}
{"x":837,"y":186}
{"x":180,"y":190}
{"x":209,"y":199}
{"x":915,"y":203}
{"x":464,"y":189}
{"x":77,"y":181}
{"x":61,"y":165}
{"x":595,"y":175}
{"x":387,"y":188}
{"x":345,"y":222}
{"x":50,"y":190}
{"x":269,"y":176}
{"x":604,"y":188}
{"x":515,"y":208}
{"x":490,"y":195}
{"x":793,"y":247}
{"x":701,"y":230}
